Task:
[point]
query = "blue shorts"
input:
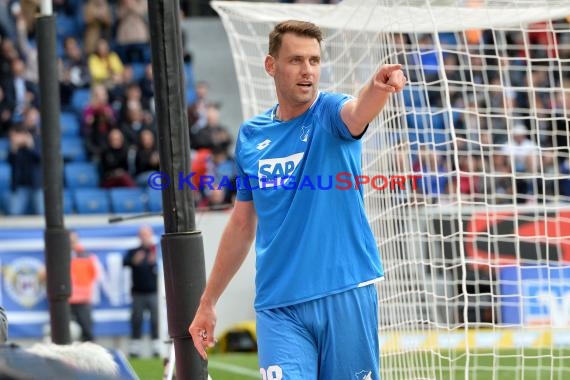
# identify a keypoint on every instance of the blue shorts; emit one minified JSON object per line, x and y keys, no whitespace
{"x":330,"y":338}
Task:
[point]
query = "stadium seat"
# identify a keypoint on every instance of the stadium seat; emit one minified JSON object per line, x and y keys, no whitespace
{"x":4,"y":148}
{"x":69,"y":124}
{"x":154,"y":198}
{"x":67,"y":202}
{"x":414,"y":97}
{"x":91,"y":201}
{"x":66,"y":26}
{"x":190,"y":84}
{"x":127,"y":200}
{"x":448,"y":39}
{"x":4,"y":199}
{"x":73,"y":149}
{"x":80,"y":174}
{"x":80,"y":99}
{"x":138,"y":70}
{"x":5,"y":176}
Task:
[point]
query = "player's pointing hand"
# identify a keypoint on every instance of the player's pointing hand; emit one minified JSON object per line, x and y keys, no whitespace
{"x":390,"y":78}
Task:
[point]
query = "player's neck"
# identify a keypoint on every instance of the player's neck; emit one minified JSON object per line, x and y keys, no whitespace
{"x":285,"y":112}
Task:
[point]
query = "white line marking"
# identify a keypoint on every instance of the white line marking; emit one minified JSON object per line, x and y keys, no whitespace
{"x":234,"y":369}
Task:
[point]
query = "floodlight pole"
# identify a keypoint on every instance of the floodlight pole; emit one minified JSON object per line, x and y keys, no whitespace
{"x":56,"y":237}
{"x":182,"y":245}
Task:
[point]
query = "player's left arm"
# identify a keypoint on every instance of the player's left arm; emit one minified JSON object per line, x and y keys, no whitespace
{"x":359,"y":112}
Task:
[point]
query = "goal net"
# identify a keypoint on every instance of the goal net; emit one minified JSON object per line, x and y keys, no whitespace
{"x":476,"y":240}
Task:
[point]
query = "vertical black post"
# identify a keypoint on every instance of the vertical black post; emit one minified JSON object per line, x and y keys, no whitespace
{"x":182,"y":246}
{"x":57,"y":249}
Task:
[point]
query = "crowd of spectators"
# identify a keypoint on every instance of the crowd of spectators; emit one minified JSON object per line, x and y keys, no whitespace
{"x":106,"y":91}
{"x":508,"y":96}
{"x":508,"y":104}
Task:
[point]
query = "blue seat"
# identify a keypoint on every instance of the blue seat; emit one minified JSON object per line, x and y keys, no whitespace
{"x":73,"y":149}
{"x":5,"y":176}
{"x":138,"y":70}
{"x":80,"y":174}
{"x":190,"y":84}
{"x":415,"y":97}
{"x":69,"y":124}
{"x":80,"y":99}
{"x":67,"y":202}
{"x":154,"y":200}
{"x":4,"y":148}
{"x":91,"y":201}
{"x":127,"y":200}
{"x":66,"y":26}
{"x":4,"y":199}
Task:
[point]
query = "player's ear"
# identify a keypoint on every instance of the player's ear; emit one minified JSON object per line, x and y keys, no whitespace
{"x":270,"y":65}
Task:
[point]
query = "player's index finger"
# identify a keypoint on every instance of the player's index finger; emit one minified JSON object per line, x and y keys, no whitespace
{"x":393,"y":67}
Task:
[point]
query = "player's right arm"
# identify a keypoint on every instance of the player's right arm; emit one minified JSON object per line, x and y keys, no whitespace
{"x":234,"y":246}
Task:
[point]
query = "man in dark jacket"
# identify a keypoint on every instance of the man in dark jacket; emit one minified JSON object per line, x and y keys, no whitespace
{"x":143,"y":264}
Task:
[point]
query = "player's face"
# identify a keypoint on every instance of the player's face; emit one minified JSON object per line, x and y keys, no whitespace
{"x":297,"y":69}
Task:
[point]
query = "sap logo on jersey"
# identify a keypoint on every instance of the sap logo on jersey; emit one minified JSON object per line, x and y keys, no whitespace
{"x":272,"y":171}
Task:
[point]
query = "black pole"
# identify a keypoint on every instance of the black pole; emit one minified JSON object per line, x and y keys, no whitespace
{"x":56,"y":237}
{"x":182,"y":245}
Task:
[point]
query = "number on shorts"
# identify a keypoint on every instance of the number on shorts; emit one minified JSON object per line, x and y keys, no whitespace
{"x":273,"y":372}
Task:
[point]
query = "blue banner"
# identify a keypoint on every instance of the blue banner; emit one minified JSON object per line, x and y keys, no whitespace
{"x":23,"y":292}
{"x":535,"y":295}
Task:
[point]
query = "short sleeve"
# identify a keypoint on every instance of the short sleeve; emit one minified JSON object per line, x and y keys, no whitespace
{"x":332,"y":104}
{"x":243,"y":187}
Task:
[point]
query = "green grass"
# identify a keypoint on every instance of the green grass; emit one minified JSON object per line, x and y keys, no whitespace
{"x":481,"y":365}
{"x":221,"y":367}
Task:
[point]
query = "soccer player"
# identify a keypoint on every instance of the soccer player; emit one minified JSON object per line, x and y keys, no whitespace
{"x":317,"y":261}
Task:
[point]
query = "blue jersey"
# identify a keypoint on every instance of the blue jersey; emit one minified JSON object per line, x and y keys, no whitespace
{"x":313,"y":238}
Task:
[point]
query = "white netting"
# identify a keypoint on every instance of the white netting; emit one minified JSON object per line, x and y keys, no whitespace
{"x":476,"y":257}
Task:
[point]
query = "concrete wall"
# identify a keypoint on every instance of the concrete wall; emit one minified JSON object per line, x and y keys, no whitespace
{"x":213,"y":63}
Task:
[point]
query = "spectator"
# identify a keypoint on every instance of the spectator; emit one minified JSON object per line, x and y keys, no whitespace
{"x":8,"y":53}
{"x":84,"y":275}
{"x":29,"y":9}
{"x":105,"y":66}
{"x":5,"y":114}
{"x":499,"y":180}
{"x":147,"y":89}
{"x":99,"y":22}
{"x":98,"y":119}
{"x":561,"y":136}
{"x":197,"y":112}
{"x":24,"y":159}
{"x":147,"y":160}
{"x":142,"y":261}
{"x":132,"y":31}
{"x":74,"y":71}
{"x":213,"y":133}
{"x":522,"y":151}
{"x":131,"y":93}
{"x":20,"y":93}
{"x":7,"y":23}
{"x":435,"y":178}
{"x":115,"y":162}
{"x":222,"y":168}
{"x":136,"y":121}
{"x":29,"y":51}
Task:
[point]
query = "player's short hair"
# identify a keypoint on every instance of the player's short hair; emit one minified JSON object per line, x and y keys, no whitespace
{"x":300,"y":28}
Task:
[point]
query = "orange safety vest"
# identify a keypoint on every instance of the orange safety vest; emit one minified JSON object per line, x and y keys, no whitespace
{"x":84,"y":275}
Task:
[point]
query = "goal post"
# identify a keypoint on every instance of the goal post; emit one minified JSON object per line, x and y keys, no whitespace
{"x":476,"y":240}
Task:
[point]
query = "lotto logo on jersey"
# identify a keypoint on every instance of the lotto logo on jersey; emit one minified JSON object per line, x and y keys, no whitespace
{"x":278,"y":171}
